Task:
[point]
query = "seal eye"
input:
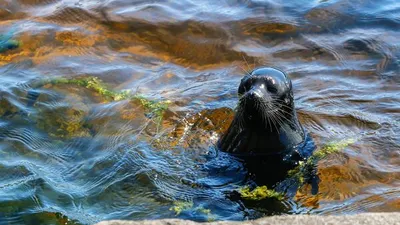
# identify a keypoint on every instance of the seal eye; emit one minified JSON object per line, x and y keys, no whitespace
{"x":272,"y":89}
{"x":248,"y":84}
{"x":245,"y":85}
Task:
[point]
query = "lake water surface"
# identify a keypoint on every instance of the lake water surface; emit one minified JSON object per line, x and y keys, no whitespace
{"x":75,"y":150}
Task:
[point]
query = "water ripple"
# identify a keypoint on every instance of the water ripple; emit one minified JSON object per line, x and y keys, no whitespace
{"x":70,"y":154}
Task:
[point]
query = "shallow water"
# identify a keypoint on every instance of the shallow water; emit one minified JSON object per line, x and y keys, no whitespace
{"x":71,"y":155}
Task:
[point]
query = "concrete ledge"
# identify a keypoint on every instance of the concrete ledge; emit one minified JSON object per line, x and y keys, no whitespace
{"x":359,"y":219}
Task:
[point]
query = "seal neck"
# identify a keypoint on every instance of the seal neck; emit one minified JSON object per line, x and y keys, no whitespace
{"x":247,"y":139}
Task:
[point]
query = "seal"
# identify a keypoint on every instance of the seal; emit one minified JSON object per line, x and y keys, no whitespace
{"x":265,"y":122}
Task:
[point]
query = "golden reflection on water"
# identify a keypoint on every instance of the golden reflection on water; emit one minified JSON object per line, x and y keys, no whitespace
{"x":343,"y":60}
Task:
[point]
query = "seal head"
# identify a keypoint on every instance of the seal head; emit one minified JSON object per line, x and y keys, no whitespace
{"x":265,"y":122}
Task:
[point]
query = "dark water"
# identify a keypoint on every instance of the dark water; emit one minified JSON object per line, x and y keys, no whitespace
{"x":70,"y":155}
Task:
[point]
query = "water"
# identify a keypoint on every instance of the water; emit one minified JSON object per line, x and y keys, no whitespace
{"x":71,"y":155}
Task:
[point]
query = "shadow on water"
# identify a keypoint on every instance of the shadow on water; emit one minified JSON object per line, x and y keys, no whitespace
{"x":111,"y":109}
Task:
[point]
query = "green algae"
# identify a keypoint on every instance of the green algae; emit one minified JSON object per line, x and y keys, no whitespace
{"x":333,"y":147}
{"x":63,"y":122}
{"x":71,"y":121}
{"x":203,"y":210}
{"x":259,"y":193}
{"x":207,"y":212}
{"x":180,"y":206}
{"x":299,"y":172}
{"x":96,"y":85}
{"x":304,"y":168}
{"x":154,"y":109}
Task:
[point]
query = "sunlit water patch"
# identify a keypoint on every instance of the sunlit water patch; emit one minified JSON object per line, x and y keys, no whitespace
{"x":111,"y":110}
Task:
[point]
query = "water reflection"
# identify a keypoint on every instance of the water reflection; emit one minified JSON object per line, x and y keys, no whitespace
{"x":70,"y":154}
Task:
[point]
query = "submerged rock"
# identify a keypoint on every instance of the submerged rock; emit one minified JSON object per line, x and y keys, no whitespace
{"x":198,"y":131}
{"x":62,"y":117}
{"x":55,"y":218}
{"x":71,"y":110}
{"x":6,"y":108}
{"x":257,"y":28}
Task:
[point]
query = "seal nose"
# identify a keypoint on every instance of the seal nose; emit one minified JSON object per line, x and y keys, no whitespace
{"x":255,"y":93}
{"x":252,"y":95}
